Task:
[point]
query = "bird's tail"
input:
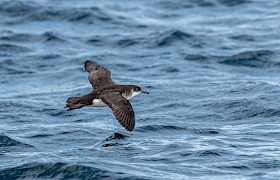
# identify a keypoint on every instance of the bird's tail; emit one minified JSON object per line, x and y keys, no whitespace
{"x":74,"y":103}
{"x":78,"y":102}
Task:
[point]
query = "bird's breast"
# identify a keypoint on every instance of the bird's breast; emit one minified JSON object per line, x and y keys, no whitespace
{"x":98,"y":103}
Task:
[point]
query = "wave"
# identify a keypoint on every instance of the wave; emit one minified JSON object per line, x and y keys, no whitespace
{"x":172,"y":37}
{"x":178,"y":5}
{"x":11,"y":48}
{"x":231,"y":3}
{"x":243,"y":37}
{"x":113,"y":140}
{"x":261,"y":165}
{"x":16,"y":8}
{"x":22,"y":12}
{"x":31,"y":38}
{"x":250,"y":109}
{"x":260,"y":59}
{"x":171,"y":128}
{"x":126,"y":42}
{"x":116,"y":136}
{"x":157,"y":128}
{"x":111,"y":41}
{"x":170,"y":70}
{"x":169,"y":37}
{"x":56,"y":170}
{"x":253,"y":59}
{"x":6,"y":142}
{"x":41,"y":63}
{"x":196,"y":57}
{"x":213,"y":152}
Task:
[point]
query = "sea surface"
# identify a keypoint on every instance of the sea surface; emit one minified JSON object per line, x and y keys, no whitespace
{"x":212,"y":68}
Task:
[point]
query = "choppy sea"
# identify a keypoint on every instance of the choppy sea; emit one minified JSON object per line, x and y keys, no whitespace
{"x":212,"y":68}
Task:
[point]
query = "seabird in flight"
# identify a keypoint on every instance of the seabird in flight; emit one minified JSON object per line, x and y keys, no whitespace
{"x":107,"y":93}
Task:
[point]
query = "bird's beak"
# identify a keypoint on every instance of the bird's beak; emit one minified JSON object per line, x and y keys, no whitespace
{"x":145,"y":92}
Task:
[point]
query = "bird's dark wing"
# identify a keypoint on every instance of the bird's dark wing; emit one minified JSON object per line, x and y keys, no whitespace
{"x":121,"y":108}
{"x":99,"y":76}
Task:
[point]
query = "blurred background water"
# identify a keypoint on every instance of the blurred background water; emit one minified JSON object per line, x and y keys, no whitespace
{"x":211,"y":67}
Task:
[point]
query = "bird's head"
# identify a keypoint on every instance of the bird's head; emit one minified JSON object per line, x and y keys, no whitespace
{"x":136,"y":90}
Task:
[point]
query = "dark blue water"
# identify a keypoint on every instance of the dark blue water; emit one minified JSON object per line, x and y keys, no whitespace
{"x":212,"y":68}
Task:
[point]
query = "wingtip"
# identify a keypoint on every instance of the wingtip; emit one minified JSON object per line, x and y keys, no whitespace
{"x":86,"y":63}
{"x":128,"y":127}
{"x":89,"y":65}
{"x":130,"y":130}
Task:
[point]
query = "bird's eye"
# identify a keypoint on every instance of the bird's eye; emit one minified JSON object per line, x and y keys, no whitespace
{"x":138,"y":89}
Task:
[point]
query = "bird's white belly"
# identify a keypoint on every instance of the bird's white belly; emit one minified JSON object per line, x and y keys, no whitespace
{"x":98,"y":103}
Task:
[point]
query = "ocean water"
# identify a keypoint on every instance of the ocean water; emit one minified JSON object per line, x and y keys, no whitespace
{"x":212,"y":68}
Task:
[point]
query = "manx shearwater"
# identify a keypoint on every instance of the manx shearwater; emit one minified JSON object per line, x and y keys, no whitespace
{"x":107,"y":93}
